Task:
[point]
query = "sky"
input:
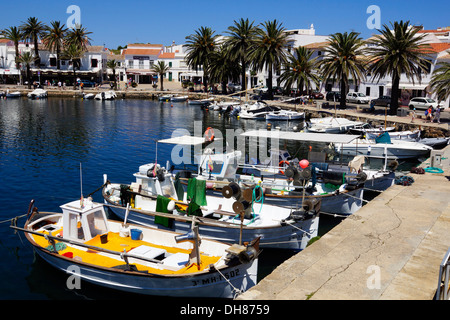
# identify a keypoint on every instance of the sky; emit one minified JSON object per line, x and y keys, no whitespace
{"x":115,"y":22}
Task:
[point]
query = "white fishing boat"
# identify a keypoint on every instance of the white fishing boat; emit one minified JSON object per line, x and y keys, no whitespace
{"x":368,"y":128}
{"x":331,"y":125}
{"x":179,"y":98}
{"x":37,"y":94}
{"x":131,"y":258}
{"x":384,"y":147}
{"x":285,"y":115}
{"x":88,"y":96}
{"x":201,"y":102}
{"x":406,"y":135}
{"x":165,"y":97}
{"x":106,"y":95}
{"x":244,"y":114}
{"x":14,"y":94}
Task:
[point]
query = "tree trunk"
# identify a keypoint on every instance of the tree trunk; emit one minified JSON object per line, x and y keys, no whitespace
{"x":342,"y":103}
{"x":74,"y":78}
{"x":224,"y":87}
{"x":269,"y":84}
{"x":394,"y":95}
{"x":244,"y":83}
{"x":161,"y":79}
{"x":36,"y":52}
{"x":115,"y":82}
{"x":58,"y":62}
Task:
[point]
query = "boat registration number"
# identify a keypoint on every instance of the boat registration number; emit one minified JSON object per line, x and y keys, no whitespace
{"x":217,"y":278}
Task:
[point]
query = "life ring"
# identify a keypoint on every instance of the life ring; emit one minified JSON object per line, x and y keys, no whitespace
{"x":281,"y":163}
{"x":209,"y":134}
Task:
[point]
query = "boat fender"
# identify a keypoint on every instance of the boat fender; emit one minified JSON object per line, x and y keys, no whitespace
{"x":290,"y":172}
{"x":280,"y":164}
{"x":209,"y":134}
{"x":393,"y":165}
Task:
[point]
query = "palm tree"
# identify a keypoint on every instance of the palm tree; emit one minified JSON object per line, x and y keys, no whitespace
{"x":396,"y":52}
{"x":300,"y":69}
{"x":199,"y":46}
{"x":222,"y":67}
{"x":161,"y":68}
{"x":27,"y":59}
{"x":73,"y":53}
{"x":440,"y":81}
{"x":112,"y":64}
{"x":15,"y":35}
{"x":269,"y":50}
{"x":78,"y":37}
{"x":54,"y":40}
{"x":344,"y":58}
{"x":33,"y":29}
{"x":240,"y":42}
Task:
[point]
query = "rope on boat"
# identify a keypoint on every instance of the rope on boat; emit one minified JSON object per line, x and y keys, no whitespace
{"x":236,"y":290}
{"x":335,"y":215}
{"x":13,"y":219}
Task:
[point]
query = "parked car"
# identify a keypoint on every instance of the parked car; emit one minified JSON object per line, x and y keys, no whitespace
{"x":87,"y":83}
{"x":384,"y":101}
{"x":423,"y":103}
{"x":357,"y":97}
{"x":234,"y":87}
{"x":333,"y":96}
{"x":316,"y":95}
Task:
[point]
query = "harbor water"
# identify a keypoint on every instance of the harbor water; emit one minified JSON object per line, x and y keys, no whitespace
{"x":45,"y":143}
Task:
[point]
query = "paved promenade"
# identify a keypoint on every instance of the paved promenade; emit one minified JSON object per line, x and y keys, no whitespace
{"x":389,"y":250}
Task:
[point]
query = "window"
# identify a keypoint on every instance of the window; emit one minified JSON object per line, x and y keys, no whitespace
{"x":94,"y":63}
{"x":170,"y":64}
{"x":52,"y":62}
{"x":96,"y":223}
{"x":141,"y":64}
{"x":367,"y":91}
{"x":130,"y":63}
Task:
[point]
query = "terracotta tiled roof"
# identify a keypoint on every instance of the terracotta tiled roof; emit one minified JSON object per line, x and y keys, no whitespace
{"x":144,"y":45}
{"x":317,"y":45}
{"x":437,"y":47}
{"x":167,"y":55}
{"x":4,"y":40}
{"x":433,"y":31}
{"x":143,"y":52}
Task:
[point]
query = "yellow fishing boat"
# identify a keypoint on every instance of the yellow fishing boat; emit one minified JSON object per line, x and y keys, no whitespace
{"x":139,"y":259}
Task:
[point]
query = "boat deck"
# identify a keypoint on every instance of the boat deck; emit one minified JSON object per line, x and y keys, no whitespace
{"x":119,"y":244}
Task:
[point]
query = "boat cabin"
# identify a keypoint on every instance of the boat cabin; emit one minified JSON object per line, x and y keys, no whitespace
{"x":83,"y":220}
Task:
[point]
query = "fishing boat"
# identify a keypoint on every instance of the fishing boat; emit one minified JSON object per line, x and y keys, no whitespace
{"x":81,"y":241}
{"x":88,"y":96}
{"x":406,"y":135}
{"x":384,"y":147}
{"x":179,"y":98}
{"x":285,"y":115}
{"x":14,"y":94}
{"x":105,"y":95}
{"x":368,"y":128}
{"x":37,"y":94}
{"x":201,"y":102}
{"x":331,"y":125}
{"x":165,"y":97}
{"x":240,"y":215}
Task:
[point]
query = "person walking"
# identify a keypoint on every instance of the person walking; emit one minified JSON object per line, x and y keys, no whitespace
{"x":413,"y":115}
{"x":437,"y":115}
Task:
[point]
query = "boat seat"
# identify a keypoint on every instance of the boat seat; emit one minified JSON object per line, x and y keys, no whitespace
{"x":148,"y":252}
{"x":176,"y":260}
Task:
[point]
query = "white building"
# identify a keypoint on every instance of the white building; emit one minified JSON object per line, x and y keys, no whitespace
{"x":139,"y":60}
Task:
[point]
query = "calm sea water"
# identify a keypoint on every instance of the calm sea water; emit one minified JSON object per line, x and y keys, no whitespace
{"x":43,"y":143}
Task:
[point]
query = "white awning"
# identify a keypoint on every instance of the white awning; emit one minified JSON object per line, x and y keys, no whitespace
{"x":302,"y":136}
{"x":184,"y":140}
{"x":409,"y":86}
